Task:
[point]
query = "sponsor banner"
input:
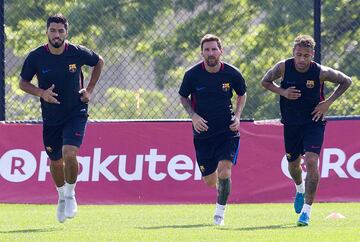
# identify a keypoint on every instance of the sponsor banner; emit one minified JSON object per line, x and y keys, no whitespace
{"x":154,"y":162}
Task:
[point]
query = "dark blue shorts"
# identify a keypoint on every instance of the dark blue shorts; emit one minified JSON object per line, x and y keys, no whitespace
{"x":303,"y":138}
{"x":214,"y":149}
{"x":69,"y":133}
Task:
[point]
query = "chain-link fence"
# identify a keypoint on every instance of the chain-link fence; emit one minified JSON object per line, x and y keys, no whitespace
{"x":148,"y":45}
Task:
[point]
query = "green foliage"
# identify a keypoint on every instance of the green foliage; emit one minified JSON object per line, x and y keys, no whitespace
{"x":27,"y":33}
{"x":127,"y":104}
{"x":23,"y":107}
{"x":349,"y":102}
{"x":164,"y":36}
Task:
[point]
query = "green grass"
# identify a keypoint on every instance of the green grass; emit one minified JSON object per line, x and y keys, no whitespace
{"x":244,"y":222}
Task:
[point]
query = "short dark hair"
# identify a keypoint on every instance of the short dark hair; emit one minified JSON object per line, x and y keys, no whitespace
{"x":304,"y":41}
{"x":57,"y":18}
{"x":210,"y":37}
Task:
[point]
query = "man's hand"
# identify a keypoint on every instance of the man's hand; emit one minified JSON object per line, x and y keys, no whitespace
{"x":291,"y":93}
{"x":199,"y":123}
{"x":49,"y":96}
{"x":234,"y":126}
{"x":85,"y":95}
{"x":320,"y":110}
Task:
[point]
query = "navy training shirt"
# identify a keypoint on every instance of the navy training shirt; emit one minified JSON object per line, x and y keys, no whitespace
{"x":64,"y":71}
{"x":295,"y":112}
{"x":211,"y":96}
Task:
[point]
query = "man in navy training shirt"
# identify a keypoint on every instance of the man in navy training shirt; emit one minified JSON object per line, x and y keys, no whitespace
{"x":303,"y":108}
{"x":64,"y":104}
{"x":210,"y":85}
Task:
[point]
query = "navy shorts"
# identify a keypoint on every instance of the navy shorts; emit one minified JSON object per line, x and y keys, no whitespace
{"x":70,"y":132}
{"x":214,"y":149}
{"x":303,"y":138}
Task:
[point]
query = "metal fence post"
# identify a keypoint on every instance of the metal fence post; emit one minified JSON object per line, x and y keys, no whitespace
{"x":2,"y":61}
{"x":317,"y":30}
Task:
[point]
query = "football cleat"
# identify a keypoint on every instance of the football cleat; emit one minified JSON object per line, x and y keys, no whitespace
{"x":70,"y":207}
{"x":60,"y":211}
{"x":303,"y":220}
{"x":299,"y":202}
{"x":218,"y":220}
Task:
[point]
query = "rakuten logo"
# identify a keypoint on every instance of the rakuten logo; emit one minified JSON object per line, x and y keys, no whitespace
{"x":19,"y":165}
{"x":333,"y":159}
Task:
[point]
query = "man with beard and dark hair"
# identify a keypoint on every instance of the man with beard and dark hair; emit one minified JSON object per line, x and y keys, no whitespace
{"x":303,"y":108}
{"x":210,"y":84}
{"x":64,"y":104}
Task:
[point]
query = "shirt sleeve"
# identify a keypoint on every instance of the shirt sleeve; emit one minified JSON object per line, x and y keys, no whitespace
{"x":89,"y":57}
{"x":239,"y":84}
{"x":28,"y":69}
{"x":185,"y":88}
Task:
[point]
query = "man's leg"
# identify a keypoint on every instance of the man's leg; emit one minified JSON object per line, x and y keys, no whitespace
{"x":312,"y":177}
{"x":211,"y":180}
{"x":293,"y":139}
{"x":311,"y":185}
{"x":295,"y":171}
{"x":73,"y":134}
{"x":221,"y":180}
{"x":52,"y":138}
{"x":57,"y":173}
{"x":71,"y":172}
{"x":313,"y":140}
{"x":224,"y":181}
{"x":71,"y":163}
{"x":223,"y":190}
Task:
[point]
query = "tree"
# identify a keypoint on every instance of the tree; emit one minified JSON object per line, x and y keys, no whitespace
{"x":154,"y":42}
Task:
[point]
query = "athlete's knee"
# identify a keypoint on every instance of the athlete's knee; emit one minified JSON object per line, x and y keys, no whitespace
{"x":69,"y":155}
{"x":210,"y":183}
{"x":224,"y":169}
{"x":224,"y":174}
{"x":57,"y":163}
{"x":210,"y":180}
{"x":311,"y":161}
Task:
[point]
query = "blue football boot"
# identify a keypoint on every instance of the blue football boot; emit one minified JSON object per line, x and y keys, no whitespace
{"x":303,"y":220}
{"x":299,"y":202}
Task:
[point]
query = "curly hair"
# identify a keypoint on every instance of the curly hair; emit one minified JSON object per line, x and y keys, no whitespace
{"x":304,"y":41}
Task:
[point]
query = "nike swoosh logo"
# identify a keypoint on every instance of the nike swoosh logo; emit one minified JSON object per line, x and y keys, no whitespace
{"x":200,"y":88}
{"x":44,"y":71}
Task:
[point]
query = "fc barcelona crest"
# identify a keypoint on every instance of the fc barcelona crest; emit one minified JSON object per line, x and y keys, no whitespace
{"x":310,"y":83}
{"x":72,"y":68}
{"x":226,"y":87}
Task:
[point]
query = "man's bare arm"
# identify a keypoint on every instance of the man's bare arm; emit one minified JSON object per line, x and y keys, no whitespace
{"x":240,"y":104}
{"x":186,"y":102}
{"x":273,"y":74}
{"x":198,"y":122}
{"x":30,"y":88}
{"x":95,"y":75}
{"x":47,"y":95}
{"x":335,"y":76}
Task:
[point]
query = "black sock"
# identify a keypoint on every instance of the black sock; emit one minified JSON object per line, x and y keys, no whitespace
{"x":223,"y":190}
